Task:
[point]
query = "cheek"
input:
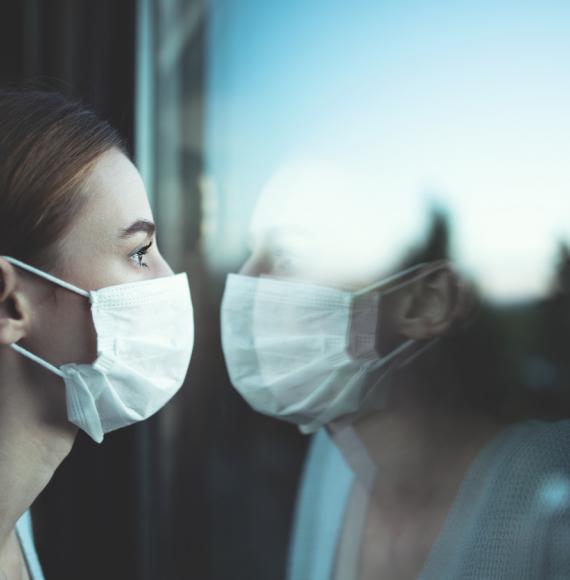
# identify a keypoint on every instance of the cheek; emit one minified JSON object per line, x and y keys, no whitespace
{"x":65,"y":332}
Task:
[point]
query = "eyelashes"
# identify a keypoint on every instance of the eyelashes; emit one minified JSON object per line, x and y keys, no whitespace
{"x":138,"y":256}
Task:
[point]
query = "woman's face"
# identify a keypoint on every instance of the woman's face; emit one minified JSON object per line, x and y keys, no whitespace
{"x":111,"y":242}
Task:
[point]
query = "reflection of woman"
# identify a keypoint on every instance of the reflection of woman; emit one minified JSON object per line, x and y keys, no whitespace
{"x":430,"y":481}
{"x":95,"y":331}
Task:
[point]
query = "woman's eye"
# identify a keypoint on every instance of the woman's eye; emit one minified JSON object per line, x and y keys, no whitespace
{"x":138,"y":256}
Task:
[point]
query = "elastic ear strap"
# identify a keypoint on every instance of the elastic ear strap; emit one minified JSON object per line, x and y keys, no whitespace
{"x":400,"y":275}
{"x":37,"y":359}
{"x":394,"y":354}
{"x":402,"y":348}
{"x":420,"y":350}
{"x":47,"y":276}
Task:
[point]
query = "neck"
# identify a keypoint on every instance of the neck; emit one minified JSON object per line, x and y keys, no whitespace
{"x":35,"y":436}
{"x":413,"y":459}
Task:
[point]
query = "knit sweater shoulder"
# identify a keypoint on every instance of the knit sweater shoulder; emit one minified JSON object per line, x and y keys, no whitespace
{"x":511,"y":516}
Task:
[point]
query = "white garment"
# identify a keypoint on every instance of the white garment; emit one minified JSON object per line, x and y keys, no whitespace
{"x":25,"y":535}
{"x":510,"y":519}
{"x":323,"y":494}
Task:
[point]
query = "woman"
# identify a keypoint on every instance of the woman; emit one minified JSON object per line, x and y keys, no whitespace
{"x":416,"y":471}
{"x":95,"y":331}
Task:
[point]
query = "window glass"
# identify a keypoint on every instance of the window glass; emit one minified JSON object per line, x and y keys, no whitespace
{"x":416,"y":429}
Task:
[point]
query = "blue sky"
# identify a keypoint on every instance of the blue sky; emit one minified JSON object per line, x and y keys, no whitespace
{"x":462,"y":103}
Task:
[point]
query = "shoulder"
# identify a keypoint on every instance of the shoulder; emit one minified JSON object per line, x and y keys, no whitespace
{"x":533,"y":468}
{"x":514,"y":509}
{"x":547,"y":466}
{"x":537,"y":445}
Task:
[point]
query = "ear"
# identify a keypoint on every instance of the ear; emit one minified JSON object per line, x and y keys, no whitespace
{"x":13,"y":305}
{"x":434,"y":304}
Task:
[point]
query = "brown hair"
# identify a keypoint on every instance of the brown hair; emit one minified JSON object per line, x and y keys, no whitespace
{"x":47,"y":146}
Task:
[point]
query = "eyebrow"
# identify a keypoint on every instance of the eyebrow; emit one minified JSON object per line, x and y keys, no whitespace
{"x":139,"y":226}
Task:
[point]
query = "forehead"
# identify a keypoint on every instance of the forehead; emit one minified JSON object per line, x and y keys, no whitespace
{"x":331,"y":223}
{"x":116,"y":197}
{"x":115,"y":191}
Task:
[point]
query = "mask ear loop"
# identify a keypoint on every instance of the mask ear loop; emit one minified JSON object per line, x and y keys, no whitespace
{"x":387,"y":281}
{"x":398,"y":276}
{"x":47,"y":276}
{"x":37,"y":359}
{"x":57,"y":281}
{"x":404,"y":274}
{"x":407,"y":344}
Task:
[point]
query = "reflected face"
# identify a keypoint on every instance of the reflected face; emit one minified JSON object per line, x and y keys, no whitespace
{"x":278,"y":252}
{"x":296,"y":254}
{"x":111,"y":242}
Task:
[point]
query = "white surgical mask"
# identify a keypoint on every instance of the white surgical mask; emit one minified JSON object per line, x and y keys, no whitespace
{"x":308,"y":354}
{"x":145,"y":335}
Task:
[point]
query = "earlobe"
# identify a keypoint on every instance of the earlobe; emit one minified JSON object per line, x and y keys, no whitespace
{"x":13,"y":320}
{"x":433,"y":305}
